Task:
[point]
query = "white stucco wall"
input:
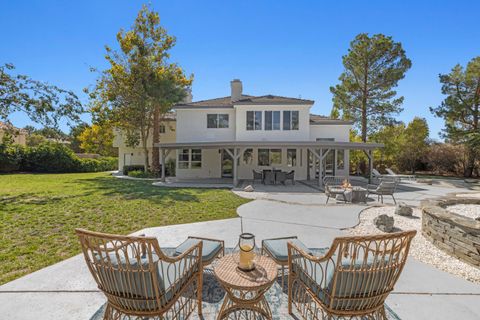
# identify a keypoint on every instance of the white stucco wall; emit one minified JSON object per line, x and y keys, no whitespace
{"x":242,"y":134}
{"x":192,"y":126}
{"x":338,"y":132}
{"x":132,"y":156}
{"x":211,"y":166}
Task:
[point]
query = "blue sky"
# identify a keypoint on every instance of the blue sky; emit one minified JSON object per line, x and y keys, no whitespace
{"x":290,"y":48}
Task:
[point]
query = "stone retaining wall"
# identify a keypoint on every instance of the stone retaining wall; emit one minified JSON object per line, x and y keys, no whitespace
{"x":457,"y":235}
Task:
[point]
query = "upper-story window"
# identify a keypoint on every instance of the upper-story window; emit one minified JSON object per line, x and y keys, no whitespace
{"x":290,"y":120}
{"x":162,"y":128}
{"x":254,"y":120}
{"x":217,"y":121}
{"x":272,"y":120}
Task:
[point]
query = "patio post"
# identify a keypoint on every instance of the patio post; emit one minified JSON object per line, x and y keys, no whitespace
{"x":370,"y":162}
{"x":162,"y":162}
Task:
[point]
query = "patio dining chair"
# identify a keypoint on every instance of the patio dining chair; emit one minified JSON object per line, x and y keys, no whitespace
{"x":352,"y":280}
{"x":257,"y":176}
{"x":269,"y":177}
{"x":139,"y":280}
{"x":291,"y":176}
{"x":333,"y":187}
{"x":385,"y":188}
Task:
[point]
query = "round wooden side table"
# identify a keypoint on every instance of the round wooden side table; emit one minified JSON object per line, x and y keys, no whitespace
{"x":245,"y":290}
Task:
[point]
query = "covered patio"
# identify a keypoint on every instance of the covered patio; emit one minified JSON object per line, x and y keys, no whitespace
{"x":311,"y":168}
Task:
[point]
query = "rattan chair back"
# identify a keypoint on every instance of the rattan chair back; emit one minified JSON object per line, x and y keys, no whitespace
{"x":135,"y":275}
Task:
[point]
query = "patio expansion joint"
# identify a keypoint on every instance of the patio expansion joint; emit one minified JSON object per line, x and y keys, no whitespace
{"x":294,"y":223}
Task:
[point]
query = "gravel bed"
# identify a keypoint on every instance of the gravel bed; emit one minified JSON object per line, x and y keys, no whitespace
{"x":421,"y":249}
{"x":467,"y":210}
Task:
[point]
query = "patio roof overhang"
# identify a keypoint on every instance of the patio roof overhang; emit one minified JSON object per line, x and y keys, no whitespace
{"x":246,"y":144}
{"x":236,"y":148}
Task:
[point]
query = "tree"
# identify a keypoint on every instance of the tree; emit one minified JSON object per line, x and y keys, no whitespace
{"x":167,"y":87}
{"x":74,"y":136}
{"x":393,"y":138}
{"x":97,"y":139}
{"x":135,"y":90}
{"x":373,"y":67}
{"x":415,"y":144}
{"x":460,"y":109}
{"x":43,"y":103}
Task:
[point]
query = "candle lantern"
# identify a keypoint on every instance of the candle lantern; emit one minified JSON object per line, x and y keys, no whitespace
{"x":246,"y":245}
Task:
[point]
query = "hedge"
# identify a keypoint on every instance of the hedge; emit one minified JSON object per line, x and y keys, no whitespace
{"x":49,"y":157}
{"x":133,"y":167}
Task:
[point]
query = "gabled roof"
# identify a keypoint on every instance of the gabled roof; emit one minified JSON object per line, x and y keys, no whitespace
{"x":226,"y":102}
{"x":316,"y":119}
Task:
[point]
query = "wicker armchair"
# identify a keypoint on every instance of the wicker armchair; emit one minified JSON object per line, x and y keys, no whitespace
{"x":139,"y":280}
{"x":385,"y":188}
{"x":353,"y":279}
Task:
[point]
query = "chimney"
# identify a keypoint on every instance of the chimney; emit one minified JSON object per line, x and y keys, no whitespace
{"x":236,"y":86}
{"x":188,"y":96}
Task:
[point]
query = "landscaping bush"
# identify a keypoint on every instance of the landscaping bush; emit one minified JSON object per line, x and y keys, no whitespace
{"x":49,"y":157}
{"x":133,"y":167}
{"x":170,"y":168}
{"x":139,"y":174}
{"x":97,"y":165}
{"x":11,"y":156}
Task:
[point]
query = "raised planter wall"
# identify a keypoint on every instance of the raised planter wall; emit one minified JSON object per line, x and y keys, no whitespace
{"x":457,"y":235}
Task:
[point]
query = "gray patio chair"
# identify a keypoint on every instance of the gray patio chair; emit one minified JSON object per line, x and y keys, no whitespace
{"x":291,"y":176}
{"x":280,"y":177}
{"x":257,"y":176}
{"x":385,"y":188}
{"x":333,"y":187}
{"x":268,"y":177}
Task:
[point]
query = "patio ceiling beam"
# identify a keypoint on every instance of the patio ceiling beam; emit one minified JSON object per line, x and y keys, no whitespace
{"x":272,"y":144}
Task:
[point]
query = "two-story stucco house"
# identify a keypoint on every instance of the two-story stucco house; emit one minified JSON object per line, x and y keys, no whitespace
{"x":259,"y":132}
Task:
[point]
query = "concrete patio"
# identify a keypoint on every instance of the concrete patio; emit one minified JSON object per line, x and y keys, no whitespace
{"x":66,"y":289}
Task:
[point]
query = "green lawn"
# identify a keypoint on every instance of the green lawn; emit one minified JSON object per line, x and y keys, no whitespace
{"x":39,"y":212}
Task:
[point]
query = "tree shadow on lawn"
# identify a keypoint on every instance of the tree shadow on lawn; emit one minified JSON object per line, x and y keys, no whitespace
{"x":131,"y":189}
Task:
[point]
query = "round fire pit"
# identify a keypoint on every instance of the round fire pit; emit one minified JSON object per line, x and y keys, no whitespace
{"x":455,"y":232}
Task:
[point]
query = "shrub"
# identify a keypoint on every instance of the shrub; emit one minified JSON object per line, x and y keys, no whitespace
{"x":170,"y":168}
{"x":50,"y":157}
{"x":136,"y":167}
{"x":446,"y":158}
{"x":11,"y":156}
{"x":97,"y":165}
{"x":139,"y":174}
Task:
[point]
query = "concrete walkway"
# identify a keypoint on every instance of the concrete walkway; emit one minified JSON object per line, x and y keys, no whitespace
{"x":66,"y":289}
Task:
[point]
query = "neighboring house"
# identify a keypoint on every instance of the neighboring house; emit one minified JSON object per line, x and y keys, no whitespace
{"x":260,"y":132}
{"x":19,"y":135}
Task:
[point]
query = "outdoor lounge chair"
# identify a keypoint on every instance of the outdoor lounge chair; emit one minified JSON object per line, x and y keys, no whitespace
{"x":352,"y":280}
{"x":257,"y":176}
{"x":385,"y":188}
{"x":399,"y":176}
{"x":139,"y":280}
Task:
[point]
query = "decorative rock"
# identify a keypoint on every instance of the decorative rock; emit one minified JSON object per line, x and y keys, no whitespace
{"x":403,"y":209}
{"x":248,"y":188}
{"x":384,"y":223}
